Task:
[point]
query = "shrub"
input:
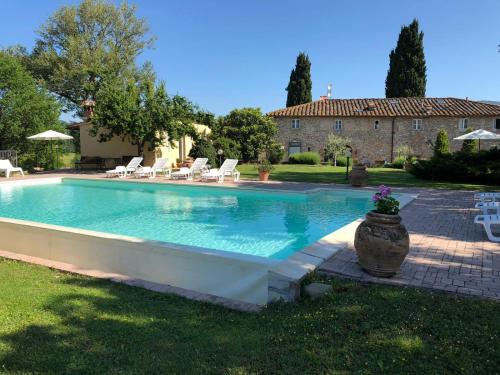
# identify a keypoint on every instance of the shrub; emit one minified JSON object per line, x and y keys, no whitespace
{"x":265,"y":166}
{"x":442,"y":146}
{"x":342,"y":161}
{"x":229,"y":147}
{"x":203,"y":148}
{"x":312,"y":158}
{"x":482,"y":167}
{"x":276,"y":153}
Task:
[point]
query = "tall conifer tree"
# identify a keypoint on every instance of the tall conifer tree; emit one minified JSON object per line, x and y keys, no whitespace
{"x":300,"y":86}
{"x":407,"y":75}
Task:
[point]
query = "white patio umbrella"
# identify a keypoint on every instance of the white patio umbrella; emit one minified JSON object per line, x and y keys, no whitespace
{"x":479,"y":134}
{"x":50,"y":135}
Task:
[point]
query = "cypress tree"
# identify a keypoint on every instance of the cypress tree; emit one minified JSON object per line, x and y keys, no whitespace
{"x":407,"y":76}
{"x":300,"y":86}
{"x":442,"y":145}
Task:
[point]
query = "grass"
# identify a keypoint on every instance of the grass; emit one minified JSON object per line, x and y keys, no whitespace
{"x":62,"y":323}
{"x":330,"y":174}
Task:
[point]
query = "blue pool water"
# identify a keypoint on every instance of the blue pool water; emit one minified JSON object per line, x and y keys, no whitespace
{"x":267,"y":224}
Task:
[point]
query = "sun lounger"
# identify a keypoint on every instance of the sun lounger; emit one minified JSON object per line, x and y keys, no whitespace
{"x":228,"y":168}
{"x":131,"y":167}
{"x":487,"y":197}
{"x":489,"y":208}
{"x":488,"y":221}
{"x":160,"y":165}
{"x":198,"y":166}
{"x":7,"y":168}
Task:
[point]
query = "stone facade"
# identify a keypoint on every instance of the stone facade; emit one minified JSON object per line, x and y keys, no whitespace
{"x":376,"y":145}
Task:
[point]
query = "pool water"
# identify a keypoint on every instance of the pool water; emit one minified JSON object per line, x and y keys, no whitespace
{"x":256,"y":222}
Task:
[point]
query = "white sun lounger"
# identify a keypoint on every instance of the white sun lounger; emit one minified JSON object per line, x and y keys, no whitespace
{"x":188,"y":173}
{"x":489,"y":208}
{"x":488,"y":221}
{"x":7,"y":168}
{"x":228,"y":168}
{"x":131,"y":167}
{"x":487,"y":197}
{"x":160,"y":165}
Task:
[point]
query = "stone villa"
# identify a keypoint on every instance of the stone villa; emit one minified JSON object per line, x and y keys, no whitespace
{"x":377,"y":127}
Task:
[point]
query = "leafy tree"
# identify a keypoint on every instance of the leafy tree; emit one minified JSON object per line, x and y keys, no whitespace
{"x":300,"y":86}
{"x":335,"y":144}
{"x":250,"y":131}
{"x":25,"y":108}
{"x":230,"y":149}
{"x":80,"y":45}
{"x":407,"y":75}
{"x":141,"y":113}
{"x":441,"y":146}
{"x":470,"y":146}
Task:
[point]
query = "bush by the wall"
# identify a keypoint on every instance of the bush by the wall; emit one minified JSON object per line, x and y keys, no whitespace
{"x":312,"y":158}
{"x":276,"y":153}
{"x":342,"y":161}
{"x":482,"y":167}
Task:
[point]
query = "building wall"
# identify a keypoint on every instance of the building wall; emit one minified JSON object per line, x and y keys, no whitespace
{"x":375,"y":145}
{"x":116,"y":148}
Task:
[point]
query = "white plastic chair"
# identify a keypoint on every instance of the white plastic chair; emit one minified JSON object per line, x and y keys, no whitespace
{"x":228,"y":168}
{"x":489,"y":208}
{"x":160,"y":165}
{"x":189,"y":173}
{"x":487,"y":221}
{"x":131,"y":167}
{"x":7,"y":168}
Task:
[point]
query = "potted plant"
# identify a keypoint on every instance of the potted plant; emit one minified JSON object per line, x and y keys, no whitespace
{"x":264,"y":167}
{"x":358,"y":175}
{"x":382,"y":241}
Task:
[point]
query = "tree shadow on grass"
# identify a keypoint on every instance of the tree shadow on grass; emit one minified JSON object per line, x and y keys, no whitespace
{"x":101,"y":327}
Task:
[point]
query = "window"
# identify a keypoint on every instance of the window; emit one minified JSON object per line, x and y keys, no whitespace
{"x":463,"y":124}
{"x":295,"y":124}
{"x":337,"y":125}
{"x":376,"y":125}
{"x":496,"y":124}
{"x":293,"y":147}
{"x":416,"y":124}
{"x":308,"y":149}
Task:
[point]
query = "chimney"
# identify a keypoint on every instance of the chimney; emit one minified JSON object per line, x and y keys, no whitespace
{"x":371,"y":105}
{"x":323,"y":97}
{"x":88,"y":109}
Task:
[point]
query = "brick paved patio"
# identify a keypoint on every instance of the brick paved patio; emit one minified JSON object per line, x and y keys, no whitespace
{"x":447,"y":250}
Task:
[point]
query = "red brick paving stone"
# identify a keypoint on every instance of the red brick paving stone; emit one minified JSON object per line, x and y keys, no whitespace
{"x":447,"y":250}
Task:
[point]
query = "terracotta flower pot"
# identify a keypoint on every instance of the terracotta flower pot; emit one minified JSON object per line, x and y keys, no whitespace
{"x":382,"y":243}
{"x":263,"y":176}
{"x":358,"y":175}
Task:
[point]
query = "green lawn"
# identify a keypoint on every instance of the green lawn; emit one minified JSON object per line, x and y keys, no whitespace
{"x":330,"y":174}
{"x":67,"y":160}
{"x":62,"y":323}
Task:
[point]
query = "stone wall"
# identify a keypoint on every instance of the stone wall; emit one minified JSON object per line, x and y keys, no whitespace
{"x":375,"y":144}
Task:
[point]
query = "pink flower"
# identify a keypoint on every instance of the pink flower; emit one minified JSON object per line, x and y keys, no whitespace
{"x":376,"y":197}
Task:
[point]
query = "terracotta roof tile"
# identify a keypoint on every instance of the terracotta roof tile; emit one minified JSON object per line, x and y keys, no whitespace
{"x":390,"y":107}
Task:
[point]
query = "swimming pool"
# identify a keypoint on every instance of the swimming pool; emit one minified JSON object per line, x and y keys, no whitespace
{"x":254,"y":222}
{"x":248,"y":246}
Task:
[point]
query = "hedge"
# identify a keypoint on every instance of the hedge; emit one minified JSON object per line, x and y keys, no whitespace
{"x":305,"y":158}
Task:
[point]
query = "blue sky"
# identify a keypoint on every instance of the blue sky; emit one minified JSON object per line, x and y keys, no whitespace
{"x":228,"y":54}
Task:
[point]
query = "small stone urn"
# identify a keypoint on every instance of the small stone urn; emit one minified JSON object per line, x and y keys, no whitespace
{"x":382,"y":243}
{"x":358,"y":175}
